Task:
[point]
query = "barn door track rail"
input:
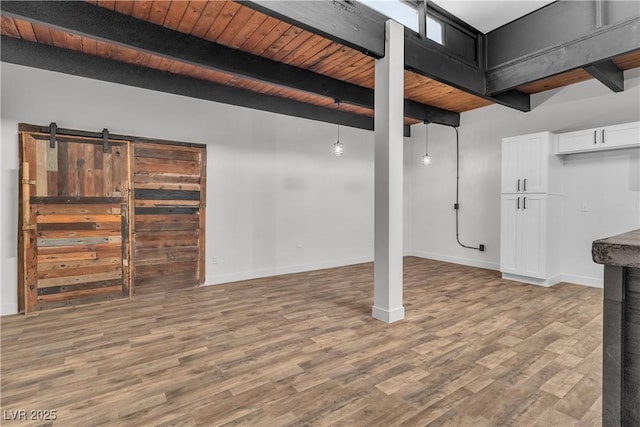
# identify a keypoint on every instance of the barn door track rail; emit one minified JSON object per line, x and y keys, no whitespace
{"x":53,"y":132}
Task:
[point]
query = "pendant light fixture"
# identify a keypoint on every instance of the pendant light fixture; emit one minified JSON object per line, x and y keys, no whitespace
{"x":426,"y":159}
{"x":338,"y":148}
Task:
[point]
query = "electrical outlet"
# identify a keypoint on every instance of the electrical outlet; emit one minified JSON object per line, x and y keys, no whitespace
{"x":214,"y":259}
{"x":584,"y":208}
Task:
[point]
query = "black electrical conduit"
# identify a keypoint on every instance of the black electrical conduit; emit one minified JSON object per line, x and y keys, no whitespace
{"x":456,"y":207}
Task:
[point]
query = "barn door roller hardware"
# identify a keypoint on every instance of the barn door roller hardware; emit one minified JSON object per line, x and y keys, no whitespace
{"x":105,"y":140}
{"x":53,"y":129}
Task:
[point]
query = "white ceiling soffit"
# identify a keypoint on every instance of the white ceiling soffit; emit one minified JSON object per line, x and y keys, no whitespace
{"x":487,"y":15}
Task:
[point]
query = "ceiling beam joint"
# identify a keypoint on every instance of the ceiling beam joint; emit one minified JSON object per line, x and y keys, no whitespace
{"x":608,"y":73}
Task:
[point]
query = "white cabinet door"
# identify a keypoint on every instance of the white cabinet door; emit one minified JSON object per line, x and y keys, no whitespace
{"x":525,"y":161}
{"x":619,"y":136}
{"x":523,"y":234}
{"x":533,"y":235}
{"x":534,"y":152}
{"x":510,"y":159}
{"x":575,"y":142}
{"x":509,"y":231}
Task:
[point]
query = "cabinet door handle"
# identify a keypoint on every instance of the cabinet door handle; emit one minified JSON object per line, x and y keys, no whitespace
{"x":595,"y":136}
{"x":518,"y":184}
{"x":525,"y":184}
{"x":518,"y":206}
{"x":524,"y":203}
{"x":603,"y":136}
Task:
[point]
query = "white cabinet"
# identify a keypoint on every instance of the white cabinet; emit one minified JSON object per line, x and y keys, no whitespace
{"x":525,"y":163}
{"x":530,"y":226}
{"x":578,"y":141}
{"x":523,"y":235}
{"x":597,"y":139}
{"x":620,"y":136}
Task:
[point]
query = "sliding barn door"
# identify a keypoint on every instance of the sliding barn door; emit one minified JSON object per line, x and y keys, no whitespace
{"x":169,"y":193}
{"x":73,"y":237}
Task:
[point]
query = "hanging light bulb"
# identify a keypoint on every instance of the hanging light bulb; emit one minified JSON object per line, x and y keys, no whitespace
{"x":338,"y":148}
{"x":426,"y":159}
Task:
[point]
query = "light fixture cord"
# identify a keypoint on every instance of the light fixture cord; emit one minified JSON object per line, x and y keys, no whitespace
{"x":426,"y":139}
{"x":457,"y":205}
{"x":338,"y":104}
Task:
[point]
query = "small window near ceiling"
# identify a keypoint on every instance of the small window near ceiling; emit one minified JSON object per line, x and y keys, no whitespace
{"x":398,"y":10}
{"x":434,"y":30}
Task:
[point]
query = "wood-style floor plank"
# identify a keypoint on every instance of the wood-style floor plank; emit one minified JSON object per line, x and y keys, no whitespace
{"x":302,"y":349}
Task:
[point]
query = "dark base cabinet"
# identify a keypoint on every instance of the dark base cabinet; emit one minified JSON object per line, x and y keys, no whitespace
{"x":621,"y":329}
{"x":631,"y":348}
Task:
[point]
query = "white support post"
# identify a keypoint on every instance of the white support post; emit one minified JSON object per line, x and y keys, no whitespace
{"x":389,"y":112}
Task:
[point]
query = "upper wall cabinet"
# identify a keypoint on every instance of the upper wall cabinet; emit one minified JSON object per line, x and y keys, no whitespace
{"x":599,"y":139}
{"x":526,"y":163}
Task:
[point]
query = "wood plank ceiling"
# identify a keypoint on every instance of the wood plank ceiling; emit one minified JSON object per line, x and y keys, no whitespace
{"x":234,"y":25}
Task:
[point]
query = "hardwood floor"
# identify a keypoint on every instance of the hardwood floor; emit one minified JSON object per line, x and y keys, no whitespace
{"x":302,"y":349}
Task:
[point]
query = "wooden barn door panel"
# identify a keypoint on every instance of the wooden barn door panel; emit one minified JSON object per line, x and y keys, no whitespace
{"x":169,"y":185}
{"x":74,"y":241}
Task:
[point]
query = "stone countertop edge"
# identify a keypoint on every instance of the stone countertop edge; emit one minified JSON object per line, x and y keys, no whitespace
{"x":622,"y":250}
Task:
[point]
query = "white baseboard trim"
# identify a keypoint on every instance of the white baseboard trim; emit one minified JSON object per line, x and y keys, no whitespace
{"x":593,"y":282}
{"x":387,"y":316}
{"x":8,"y":308}
{"x":268,"y":272}
{"x":277,"y":271}
{"x":532,"y":280}
{"x":457,"y":260}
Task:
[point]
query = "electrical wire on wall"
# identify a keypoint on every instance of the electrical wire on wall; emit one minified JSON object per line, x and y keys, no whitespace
{"x":456,"y":206}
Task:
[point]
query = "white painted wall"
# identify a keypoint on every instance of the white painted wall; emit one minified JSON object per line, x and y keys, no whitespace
{"x":609,"y":182}
{"x":272,"y":179}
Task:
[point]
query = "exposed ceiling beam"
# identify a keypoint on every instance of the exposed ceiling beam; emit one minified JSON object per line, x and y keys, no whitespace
{"x":560,"y":37}
{"x":514,"y":99}
{"x":423,"y":57}
{"x":608,"y":73}
{"x":102,"y":24}
{"x":347,"y":23}
{"x":362,"y":28}
{"x":51,"y":58}
{"x":417,"y":110}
